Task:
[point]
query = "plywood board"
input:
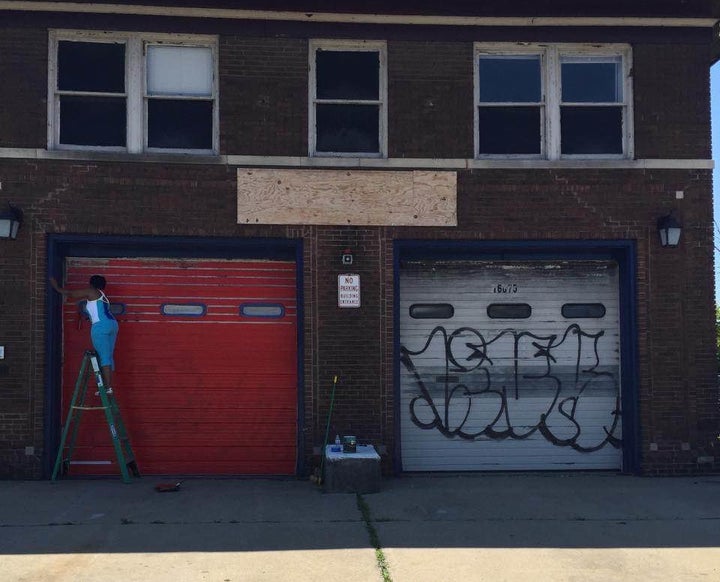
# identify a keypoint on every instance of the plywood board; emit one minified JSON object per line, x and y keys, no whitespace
{"x":358,"y":197}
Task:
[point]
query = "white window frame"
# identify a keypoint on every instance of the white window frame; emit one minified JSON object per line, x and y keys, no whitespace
{"x":353,"y":46}
{"x":550,"y":130}
{"x":135,"y":87}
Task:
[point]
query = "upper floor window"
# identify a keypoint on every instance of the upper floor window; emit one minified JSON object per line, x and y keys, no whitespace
{"x":511,"y":108}
{"x":348,"y":105}
{"x":132,"y":92}
{"x":553,"y":102}
{"x":592,"y":105}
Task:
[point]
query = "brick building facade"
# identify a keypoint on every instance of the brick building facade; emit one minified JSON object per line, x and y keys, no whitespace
{"x":544,"y":210}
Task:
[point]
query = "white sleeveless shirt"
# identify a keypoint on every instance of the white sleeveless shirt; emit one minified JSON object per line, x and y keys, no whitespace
{"x":99,"y":309}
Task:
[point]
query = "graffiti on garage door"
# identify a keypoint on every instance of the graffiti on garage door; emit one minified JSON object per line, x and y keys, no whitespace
{"x":515,"y":383}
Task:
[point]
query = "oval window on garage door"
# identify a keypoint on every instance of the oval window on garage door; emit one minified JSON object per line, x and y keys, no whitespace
{"x":583,"y":310}
{"x":431,"y":311}
{"x":183,"y":309}
{"x":271,"y":310}
{"x":509,"y":311}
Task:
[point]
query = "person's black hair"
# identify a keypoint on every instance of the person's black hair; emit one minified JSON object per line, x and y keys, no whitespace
{"x":98,"y":281}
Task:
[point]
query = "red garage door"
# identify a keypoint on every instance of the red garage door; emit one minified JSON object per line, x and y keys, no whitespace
{"x":206,"y":365}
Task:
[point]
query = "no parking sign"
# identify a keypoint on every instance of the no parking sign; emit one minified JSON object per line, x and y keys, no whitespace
{"x":348,"y":290}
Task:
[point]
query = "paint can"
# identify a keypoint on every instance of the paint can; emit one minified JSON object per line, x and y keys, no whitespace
{"x":349,"y":444}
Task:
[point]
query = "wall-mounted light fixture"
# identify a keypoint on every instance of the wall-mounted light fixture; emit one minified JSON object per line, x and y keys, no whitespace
{"x":10,"y":221}
{"x":669,"y":230}
{"x":347,"y":257}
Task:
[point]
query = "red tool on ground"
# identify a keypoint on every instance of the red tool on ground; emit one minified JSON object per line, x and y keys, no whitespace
{"x":167,"y":487}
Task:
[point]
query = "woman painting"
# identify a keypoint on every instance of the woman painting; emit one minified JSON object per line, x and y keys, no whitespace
{"x":104,"y":326}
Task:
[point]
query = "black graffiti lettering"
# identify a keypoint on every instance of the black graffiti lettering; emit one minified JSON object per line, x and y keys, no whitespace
{"x":473,"y":358}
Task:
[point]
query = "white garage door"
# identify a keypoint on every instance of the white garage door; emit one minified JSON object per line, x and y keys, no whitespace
{"x":509,"y":366}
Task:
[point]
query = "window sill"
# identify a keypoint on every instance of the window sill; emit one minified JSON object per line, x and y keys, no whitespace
{"x":368,"y":163}
{"x":109,"y":156}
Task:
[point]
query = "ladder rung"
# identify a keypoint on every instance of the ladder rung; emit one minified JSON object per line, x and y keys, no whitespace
{"x":88,"y":407}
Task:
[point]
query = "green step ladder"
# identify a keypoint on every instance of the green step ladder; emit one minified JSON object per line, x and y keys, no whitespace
{"x":120,"y":439}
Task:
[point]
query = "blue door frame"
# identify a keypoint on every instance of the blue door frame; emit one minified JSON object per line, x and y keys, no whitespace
{"x":59,"y":247}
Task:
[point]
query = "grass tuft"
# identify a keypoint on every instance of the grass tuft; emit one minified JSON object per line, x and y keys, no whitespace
{"x":374,"y":538}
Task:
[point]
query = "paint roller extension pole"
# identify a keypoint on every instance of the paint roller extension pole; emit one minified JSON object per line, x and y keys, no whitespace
{"x":327,"y":430}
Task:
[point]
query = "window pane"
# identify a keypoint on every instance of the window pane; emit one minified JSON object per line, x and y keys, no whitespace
{"x":273,"y":310}
{"x":180,"y":124}
{"x":431,"y":311}
{"x":91,"y":66}
{"x":183,"y":309}
{"x":592,"y":81}
{"x":509,"y":130}
{"x":92,"y":121}
{"x":583,"y":310}
{"x":175,"y":70}
{"x":348,"y":128}
{"x":348,"y":74}
{"x":510,"y":79}
{"x":591,"y":130}
{"x":509,"y":311}
{"x":118,"y":308}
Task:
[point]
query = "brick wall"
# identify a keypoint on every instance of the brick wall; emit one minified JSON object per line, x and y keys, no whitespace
{"x":263,"y":103}
{"x":677,"y":393}
{"x":430,"y":96}
{"x":263,"y":93}
{"x":676,"y":351}
{"x":263,"y":96}
{"x":23,"y":90}
{"x":672,"y":101}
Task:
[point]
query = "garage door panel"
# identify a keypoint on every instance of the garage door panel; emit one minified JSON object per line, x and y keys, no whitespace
{"x":203,"y":384}
{"x":204,"y":433}
{"x":219,"y":467}
{"x":269,"y":344}
{"x":226,"y":390}
{"x":220,"y":462}
{"x":243,"y":454}
{"x":216,"y":439}
{"x":224,"y":370}
{"x":163,"y":268}
{"x":223,"y":375}
{"x":267,"y":412}
{"x":478,"y":387}
{"x":536,"y":454}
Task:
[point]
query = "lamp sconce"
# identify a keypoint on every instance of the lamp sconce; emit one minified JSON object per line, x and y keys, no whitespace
{"x":10,"y":221}
{"x":669,"y":230}
{"x":347,"y":257}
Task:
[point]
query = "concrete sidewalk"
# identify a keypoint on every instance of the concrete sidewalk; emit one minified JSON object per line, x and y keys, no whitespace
{"x":559,"y":528}
{"x":510,"y":527}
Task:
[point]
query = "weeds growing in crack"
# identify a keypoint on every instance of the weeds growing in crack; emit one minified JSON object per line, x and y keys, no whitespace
{"x":374,"y":538}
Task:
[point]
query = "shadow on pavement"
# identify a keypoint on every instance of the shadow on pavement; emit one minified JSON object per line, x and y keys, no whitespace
{"x":451,"y":511}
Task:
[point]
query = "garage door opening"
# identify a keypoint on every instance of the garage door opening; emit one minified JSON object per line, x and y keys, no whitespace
{"x":510,"y":365}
